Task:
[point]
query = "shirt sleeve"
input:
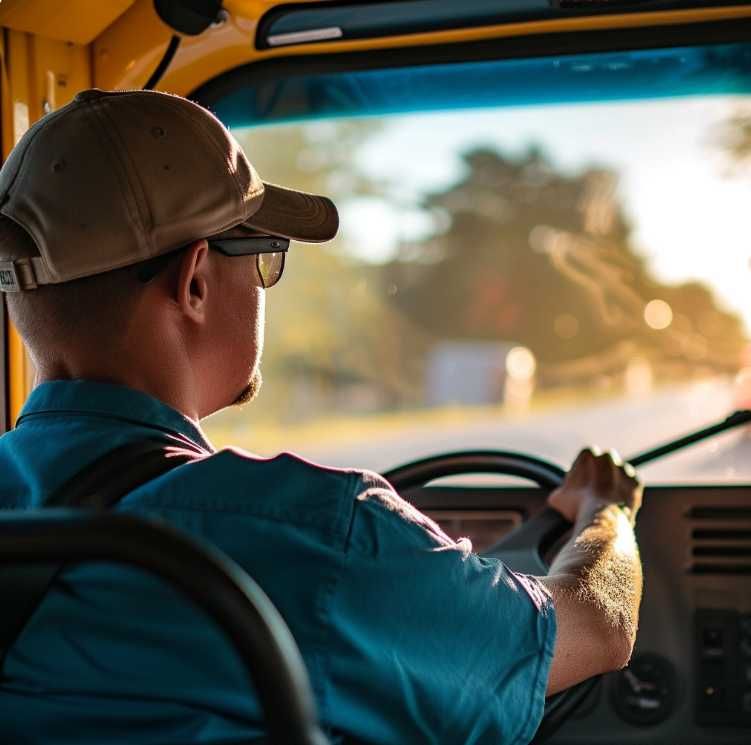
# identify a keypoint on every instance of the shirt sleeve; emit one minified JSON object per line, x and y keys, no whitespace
{"x":434,"y":643}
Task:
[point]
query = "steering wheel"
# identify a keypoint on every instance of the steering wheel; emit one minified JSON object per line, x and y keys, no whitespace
{"x":523,"y":549}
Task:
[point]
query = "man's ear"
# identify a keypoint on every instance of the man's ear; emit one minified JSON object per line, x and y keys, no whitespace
{"x":192,"y":280}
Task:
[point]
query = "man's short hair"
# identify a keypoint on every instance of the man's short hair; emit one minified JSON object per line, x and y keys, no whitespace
{"x":86,"y":309}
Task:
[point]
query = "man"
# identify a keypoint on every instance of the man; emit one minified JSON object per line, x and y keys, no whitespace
{"x":136,"y":245}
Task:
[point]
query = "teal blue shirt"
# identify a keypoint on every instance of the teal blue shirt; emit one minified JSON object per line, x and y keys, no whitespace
{"x":408,"y":636}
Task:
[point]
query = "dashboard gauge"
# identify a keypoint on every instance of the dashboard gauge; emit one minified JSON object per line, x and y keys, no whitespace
{"x":644,"y":692}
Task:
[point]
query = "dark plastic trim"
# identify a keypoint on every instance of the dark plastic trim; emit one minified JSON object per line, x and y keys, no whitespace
{"x":190,"y":17}
{"x":164,"y":63}
{"x":209,"y":579}
{"x":540,"y":11}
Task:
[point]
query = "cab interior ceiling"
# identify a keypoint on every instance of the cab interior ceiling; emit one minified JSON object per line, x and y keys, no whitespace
{"x":73,"y":21}
{"x":82,"y":21}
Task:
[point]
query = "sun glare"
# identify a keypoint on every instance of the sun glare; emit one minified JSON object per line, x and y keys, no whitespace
{"x":521,"y":364}
{"x":658,"y":315}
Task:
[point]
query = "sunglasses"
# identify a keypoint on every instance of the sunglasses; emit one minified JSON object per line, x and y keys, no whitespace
{"x":270,"y":252}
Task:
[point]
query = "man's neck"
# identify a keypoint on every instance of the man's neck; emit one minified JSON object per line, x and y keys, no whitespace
{"x":159,"y":381}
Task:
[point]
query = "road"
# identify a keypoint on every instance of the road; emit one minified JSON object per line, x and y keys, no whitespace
{"x":628,"y":424}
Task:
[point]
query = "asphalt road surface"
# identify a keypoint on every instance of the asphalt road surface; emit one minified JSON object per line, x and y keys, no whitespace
{"x":628,"y":424}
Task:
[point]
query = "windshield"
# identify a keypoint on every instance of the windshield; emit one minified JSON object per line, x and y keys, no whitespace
{"x":528,"y":277}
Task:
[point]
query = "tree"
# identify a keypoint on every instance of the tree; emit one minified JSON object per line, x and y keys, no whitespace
{"x":545,"y":259}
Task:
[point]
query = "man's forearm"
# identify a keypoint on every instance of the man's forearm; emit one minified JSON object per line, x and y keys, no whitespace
{"x":600,"y":567}
{"x":596,"y":580}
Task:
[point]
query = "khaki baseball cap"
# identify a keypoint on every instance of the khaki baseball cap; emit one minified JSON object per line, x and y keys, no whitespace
{"x":118,"y":177}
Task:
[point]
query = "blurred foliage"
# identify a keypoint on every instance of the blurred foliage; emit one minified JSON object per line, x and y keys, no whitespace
{"x":315,"y":157}
{"x":733,"y":137}
{"x":334,"y":339}
{"x":520,"y":252}
{"x":545,"y":259}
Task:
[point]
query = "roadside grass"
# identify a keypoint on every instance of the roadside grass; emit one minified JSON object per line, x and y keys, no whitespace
{"x":267,"y":438}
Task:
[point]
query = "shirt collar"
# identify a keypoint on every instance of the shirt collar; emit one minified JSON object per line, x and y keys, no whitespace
{"x":112,"y":401}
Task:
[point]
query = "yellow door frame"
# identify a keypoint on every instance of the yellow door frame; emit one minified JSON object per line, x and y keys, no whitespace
{"x":38,"y":75}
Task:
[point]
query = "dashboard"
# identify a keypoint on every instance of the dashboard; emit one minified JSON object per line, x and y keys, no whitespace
{"x":689,"y":681}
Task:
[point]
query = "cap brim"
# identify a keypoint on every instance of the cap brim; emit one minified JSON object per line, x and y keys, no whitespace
{"x":295,"y":215}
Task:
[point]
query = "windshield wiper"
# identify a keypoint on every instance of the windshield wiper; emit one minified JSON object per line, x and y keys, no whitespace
{"x":736,"y":419}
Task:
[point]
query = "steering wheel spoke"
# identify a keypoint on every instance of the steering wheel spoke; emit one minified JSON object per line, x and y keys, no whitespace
{"x":524,"y":549}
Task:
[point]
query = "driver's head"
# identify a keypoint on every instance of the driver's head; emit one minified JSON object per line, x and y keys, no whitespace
{"x":136,"y":243}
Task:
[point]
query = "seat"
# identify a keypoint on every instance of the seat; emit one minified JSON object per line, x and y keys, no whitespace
{"x":208,"y":578}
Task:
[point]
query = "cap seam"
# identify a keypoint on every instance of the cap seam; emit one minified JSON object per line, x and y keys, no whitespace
{"x":199,"y":123}
{"x":110,"y":145}
{"x":121,"y":154}
{"x":207,"y":132}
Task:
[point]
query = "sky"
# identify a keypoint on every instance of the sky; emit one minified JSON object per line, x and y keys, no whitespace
{"x":691,"y":217}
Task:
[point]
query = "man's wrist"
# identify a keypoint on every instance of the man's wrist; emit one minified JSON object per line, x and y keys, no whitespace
{"x":593,"y":505}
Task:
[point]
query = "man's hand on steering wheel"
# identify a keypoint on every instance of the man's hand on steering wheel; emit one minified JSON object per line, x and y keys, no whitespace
{"x":596,"y":578}
{"x":597,"y":477}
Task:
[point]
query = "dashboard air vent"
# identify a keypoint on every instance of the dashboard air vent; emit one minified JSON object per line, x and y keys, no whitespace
{"x":720,"y":539}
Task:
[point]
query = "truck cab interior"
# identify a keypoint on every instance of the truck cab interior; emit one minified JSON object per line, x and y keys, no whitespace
{"x":543,"y":246}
